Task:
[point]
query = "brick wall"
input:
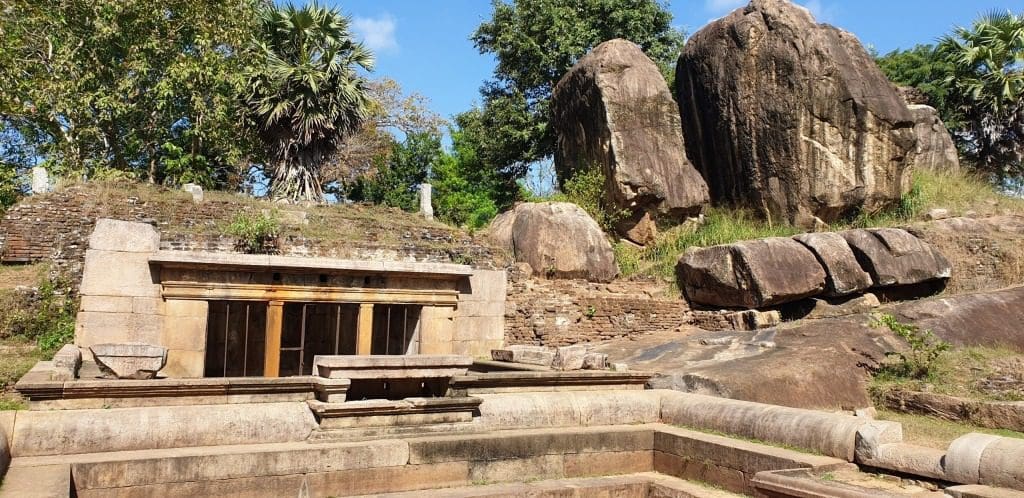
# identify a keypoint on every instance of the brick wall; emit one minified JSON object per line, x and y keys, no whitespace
{"x":56,"y":227}
{"x":559,"y":312}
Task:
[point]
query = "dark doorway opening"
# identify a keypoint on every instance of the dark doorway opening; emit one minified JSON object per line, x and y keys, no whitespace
{"x":235,"y":337}
{"x":309,"y":329}
{"x":395,"y":329}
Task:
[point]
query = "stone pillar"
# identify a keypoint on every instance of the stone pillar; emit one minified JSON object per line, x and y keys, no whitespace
{"x":272,"y":353}
{"x":40,"y":180}
{"x":437,"y":328}
{"x":364,"y":329}
{"x":195,"y":190}
{"x":425,"y":206}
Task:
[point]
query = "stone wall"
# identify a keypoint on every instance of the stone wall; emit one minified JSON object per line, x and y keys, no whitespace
{"x":557,"y":313}
{"x":55,"y":227}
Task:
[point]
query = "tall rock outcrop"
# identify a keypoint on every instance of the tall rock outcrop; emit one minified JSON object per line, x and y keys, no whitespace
{"x":613,"y":110}
{"x":792,"y":118}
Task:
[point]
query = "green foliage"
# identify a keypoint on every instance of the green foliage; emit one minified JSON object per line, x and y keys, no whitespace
{"x":11,"y":186}
{"x":586,"y":190}
{"x":94,"y":84}
{"x":306,"y":95}
{"x":397,"y":180}
{"x":986,"y":88}
{"x":467,"y":192}
{"x":254,"y":232}
{"x":921,"y":67}
{"x":46,"y":315}
{"x":920,"y":362}
{"x":535,"y":43}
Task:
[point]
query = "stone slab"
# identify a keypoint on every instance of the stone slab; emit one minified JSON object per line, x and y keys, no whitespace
{"x":45,"y":481}
{"x":391,"y":366}
{"x":124,"y":236}
{"x":38,"y":433}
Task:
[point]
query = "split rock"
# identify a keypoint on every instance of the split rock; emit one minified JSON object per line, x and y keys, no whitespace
{"x":843,"y":273}
{"x":750,"y":274}
{"x":896,"y":257}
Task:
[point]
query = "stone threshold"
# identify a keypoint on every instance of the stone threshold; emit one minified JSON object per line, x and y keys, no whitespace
{"x":406,"y":406}
{"x":519,"y":381}
{"x":254,"y":389}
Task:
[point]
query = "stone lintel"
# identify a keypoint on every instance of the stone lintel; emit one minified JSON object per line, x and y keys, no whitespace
{"x":263,"y":262}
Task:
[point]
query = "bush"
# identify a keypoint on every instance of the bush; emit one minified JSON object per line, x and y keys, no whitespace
{"x":254,"y":232}
{"x":921,"y":362}
{"x":45,"y":315}
{"x":586,"y":190}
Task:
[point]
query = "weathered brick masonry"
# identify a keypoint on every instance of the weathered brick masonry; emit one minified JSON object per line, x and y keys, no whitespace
{"x":558,"y":312}
{"x":56,"y":226}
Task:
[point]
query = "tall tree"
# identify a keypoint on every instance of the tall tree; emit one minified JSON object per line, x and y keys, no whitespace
{"x":307,"y":96}
{"x":536,"y":42}
{"x":986,"y":86}
{"x":145,"y":87}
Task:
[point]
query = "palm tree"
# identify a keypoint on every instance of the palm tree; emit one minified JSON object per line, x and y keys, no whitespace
{"x":307,"y":96}
{"x":986,"y":86}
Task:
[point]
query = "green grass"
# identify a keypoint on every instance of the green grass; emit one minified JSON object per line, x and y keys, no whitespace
{"x":934,"y":432}
{"x":959,"y":192}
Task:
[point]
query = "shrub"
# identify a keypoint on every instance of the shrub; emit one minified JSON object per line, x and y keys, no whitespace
{"x":45,"y":315}
{"x":254,"y":232}
{"x":920,"y":362}
{"x":586,"y":190}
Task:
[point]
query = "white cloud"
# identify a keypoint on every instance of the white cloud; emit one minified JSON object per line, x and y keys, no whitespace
{"x":723,"y":6}
{"x":377,"y":33}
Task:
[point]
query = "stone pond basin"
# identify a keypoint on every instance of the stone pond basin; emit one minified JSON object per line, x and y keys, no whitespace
{"x":507,"y":433}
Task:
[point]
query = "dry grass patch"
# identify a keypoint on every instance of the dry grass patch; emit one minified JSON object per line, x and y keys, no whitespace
{"x":13,"y":276}
{"x":16,"y":358}
{"x":981,"y":373}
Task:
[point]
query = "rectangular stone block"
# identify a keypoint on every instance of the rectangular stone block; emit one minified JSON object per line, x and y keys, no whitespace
{"x":700,"y":469}
{"x":531,"y":355}
{"x":106,"y":304}
{"x":186,"y":308}
{"x":485,"y":285}
{"x":109,"y":273}
{"x":529,"y":443}
{"x":99,"y":328}
{"x":518,"y":469}
{"x":480,"y":308}
{"x":124,"y":236}
{"x":749,"y":458}
{"x":608,"y":463}
{"x":389,"y":479}
{"x":148,"y":305}
{"x":186,"y":334}
{"x":184,"y":364}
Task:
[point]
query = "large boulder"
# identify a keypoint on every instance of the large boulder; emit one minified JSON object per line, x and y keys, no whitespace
{"x":935,"y":148}
{"x":613,"y":110}
{"x":893,"y":256}
{"x":500,"y":229}
{"x":560,"y":240}
{"x":844,"y":275}
{"x":750,"y":274}
{"x":792,"y":118}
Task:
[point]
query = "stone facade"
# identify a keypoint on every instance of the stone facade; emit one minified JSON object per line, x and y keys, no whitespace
{"x":126,"y":298}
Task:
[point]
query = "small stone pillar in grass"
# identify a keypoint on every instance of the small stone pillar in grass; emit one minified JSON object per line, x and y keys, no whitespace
{"x":425,"y":207}
{"x":40,"y":180}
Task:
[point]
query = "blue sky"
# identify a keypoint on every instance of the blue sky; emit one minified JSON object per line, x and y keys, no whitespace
{"x":424,"y":44}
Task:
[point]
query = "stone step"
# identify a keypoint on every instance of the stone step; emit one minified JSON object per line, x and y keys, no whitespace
{"x":44,"y":481}
{"x":639,"y":485}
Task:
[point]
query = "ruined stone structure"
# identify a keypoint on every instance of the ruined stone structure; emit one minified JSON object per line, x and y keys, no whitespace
{"x":229,"y":315}
{"x":792,"y":118}
{"x":613,"y":111}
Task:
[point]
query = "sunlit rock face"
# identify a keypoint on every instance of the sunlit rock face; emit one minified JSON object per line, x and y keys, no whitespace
{"x":614,"y":111}
{"x":792,"y":118}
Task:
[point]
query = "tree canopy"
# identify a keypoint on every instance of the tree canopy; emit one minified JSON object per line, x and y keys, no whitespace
{"x":143,"y":87}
